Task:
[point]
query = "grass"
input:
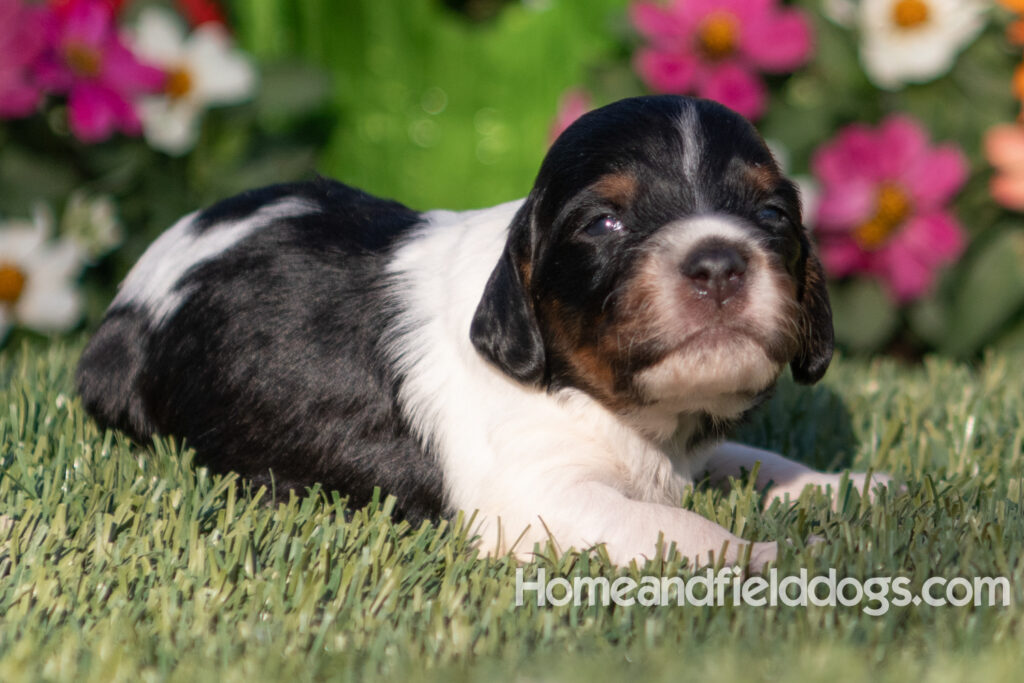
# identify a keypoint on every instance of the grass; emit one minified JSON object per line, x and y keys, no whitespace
{"x":122,"y":562}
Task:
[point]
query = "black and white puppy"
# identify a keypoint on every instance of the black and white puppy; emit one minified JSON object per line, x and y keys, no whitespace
{"x":564,"y":364}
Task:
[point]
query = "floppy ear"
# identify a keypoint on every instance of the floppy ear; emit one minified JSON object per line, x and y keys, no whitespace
{"x":816,"y":334}
{"x":504,"y":328}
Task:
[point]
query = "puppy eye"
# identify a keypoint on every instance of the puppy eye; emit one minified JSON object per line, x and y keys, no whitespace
{"x":770,"y":214}
{"x":604,"y":226}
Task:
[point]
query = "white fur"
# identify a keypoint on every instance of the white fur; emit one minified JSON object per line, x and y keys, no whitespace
{"x":780,"y":478}
{"x":530,"y":462}
{"x":717,"y":380}
{"x":693,"y":146}
{"x":153,"y":281}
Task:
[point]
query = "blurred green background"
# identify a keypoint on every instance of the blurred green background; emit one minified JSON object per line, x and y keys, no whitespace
{"x":451,"y":104}
{"x":429,"y":105}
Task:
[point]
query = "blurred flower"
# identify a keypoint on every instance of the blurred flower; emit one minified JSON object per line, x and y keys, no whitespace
{"x":203,"y":70}
{"x":1017,"y":82}
{"x":100,"y":76}
{"x":1004,"y":148}
{"x":21,"y":41}
{"x":91,"y":222}
{"x":915,"y":41}
{"x":1015,"y":31}
{"x":883,"y":207}
{"x":715,"y":48}
{"x":64,"y":6}
{"x":840,"y":12}
{"x":199,"y":12}
{"x":573,"y":104}
{"x":1015,"y":34}
{"x":37,"y":277}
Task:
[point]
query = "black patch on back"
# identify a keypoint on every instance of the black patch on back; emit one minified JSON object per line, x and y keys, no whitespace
{"x":274,"y":362}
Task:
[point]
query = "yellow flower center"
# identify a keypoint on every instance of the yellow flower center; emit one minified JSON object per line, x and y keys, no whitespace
{"x":892,"y":206}
{"x":178,"y":83}
{"x":12,"y":283}
{"x":908,"y":14}
{"x":717,"y":35}
{"x":83,"y":59}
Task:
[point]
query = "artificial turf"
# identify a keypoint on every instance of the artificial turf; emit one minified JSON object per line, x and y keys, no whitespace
{"x":126,"y":562}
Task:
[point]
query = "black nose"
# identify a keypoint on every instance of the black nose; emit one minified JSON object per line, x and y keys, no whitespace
{"x":716,"y":271}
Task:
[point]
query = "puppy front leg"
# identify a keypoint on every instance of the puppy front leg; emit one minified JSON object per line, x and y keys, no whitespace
{"x":779,"y":477}
{"x":591,"y":513}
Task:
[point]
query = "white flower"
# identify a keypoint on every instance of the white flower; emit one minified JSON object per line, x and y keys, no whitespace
{"x":37,"y":277}
{"x":915,"y":41}
{"x":92,"y":223}
{"x":203,"y":70}
{"x":840,"y":12}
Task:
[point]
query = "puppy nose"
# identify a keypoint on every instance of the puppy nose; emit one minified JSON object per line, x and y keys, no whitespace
{"x":716,"y":271}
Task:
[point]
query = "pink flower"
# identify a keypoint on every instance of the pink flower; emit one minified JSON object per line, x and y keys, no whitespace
{"x":573,"y":104}
{"x":883,"y":208}
{"x":63,"y":6}
{"x":1004,"y":148}
{"x":716,"y":48}
{"x":99,"y":74}
{"x":198,"y":12}
{"x":21,"y":41}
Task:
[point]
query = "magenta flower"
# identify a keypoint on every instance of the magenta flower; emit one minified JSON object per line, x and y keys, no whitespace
{"x":21,"y":41}
{"x":99,"y":74}
{"x":716,"y":48}
{"x":573,"y":104}
{"x":883,"y":208}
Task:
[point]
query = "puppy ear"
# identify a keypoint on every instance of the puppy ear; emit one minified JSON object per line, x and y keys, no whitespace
{"x":816,"y":333}
{"x":505,"y":329}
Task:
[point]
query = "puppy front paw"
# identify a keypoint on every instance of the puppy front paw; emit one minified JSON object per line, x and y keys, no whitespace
{"x":760,"y":555}
{"x":859,"y":481}
{"x":827,"y":483}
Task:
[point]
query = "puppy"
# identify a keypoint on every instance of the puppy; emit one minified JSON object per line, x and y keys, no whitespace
{"x":564,"y":365}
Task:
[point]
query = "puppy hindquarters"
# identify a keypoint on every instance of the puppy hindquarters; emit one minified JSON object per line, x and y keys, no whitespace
{"x":109,"y":370}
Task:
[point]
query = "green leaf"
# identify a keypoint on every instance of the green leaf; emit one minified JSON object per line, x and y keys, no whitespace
{"x":1013,"y":340}
{"x":290,"y":89}
{"x":991,"y":292}
{"x":864,"y":315}
{"x":929,"y":319}
{"x":26,"y":178}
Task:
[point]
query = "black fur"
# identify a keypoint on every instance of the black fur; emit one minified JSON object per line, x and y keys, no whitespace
{"x":110,"y":368}
{"x":292,"y":378}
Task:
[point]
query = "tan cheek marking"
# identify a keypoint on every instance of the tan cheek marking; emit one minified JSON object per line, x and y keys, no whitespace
{"x":591,"y":363}
{"x":525,"y":272}
{"x":814,"y":286}
{"x":651,"y":297}
{"x":787,"y":313}
{"x":593,"y":367}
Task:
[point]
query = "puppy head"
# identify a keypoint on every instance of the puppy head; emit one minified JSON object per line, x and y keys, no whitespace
{"x":660,"y":259}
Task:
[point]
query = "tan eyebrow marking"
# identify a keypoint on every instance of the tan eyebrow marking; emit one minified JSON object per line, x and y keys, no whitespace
{"x":763,"y":176}
{"x":618,"y":188}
